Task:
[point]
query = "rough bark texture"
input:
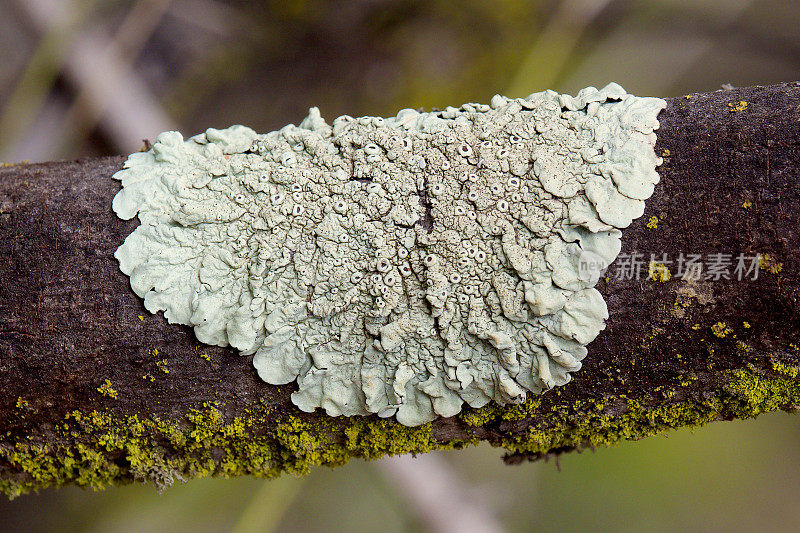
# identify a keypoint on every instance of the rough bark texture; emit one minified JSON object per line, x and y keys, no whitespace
{"x":172,"y":407}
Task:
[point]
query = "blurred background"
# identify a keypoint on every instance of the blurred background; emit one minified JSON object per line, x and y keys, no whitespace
{"x":97,"y":77}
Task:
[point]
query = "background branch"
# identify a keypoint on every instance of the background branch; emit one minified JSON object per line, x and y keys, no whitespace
{"x":97,"y":391}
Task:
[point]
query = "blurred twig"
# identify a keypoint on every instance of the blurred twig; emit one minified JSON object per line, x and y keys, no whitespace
{"x":43,"y":67}
{"x":725,"y":14}
{"x":658,"y":43}
{"x":111,"y":69}
{"x":126,"y":110}
{"x":438,"y":495}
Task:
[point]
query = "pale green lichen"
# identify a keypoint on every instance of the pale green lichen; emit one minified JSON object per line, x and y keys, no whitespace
{"x":399,"y":266}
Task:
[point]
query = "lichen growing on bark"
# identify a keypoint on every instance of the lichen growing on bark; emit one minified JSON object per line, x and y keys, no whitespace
{"x":401,"y":266}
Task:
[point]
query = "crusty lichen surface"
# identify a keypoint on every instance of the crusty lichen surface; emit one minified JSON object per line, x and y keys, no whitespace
{"x":399,"y":266}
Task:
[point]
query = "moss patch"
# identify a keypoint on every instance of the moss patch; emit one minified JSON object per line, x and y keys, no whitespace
{"x":107,"y":390}
{"x":101,"y":449}
{"x":768,"y":263}
{"x":738,"y":107}
{"x":748,"y":393}
{"x":721,"y":330}
{"x":98,"y":449}
{"x":658,"y":272}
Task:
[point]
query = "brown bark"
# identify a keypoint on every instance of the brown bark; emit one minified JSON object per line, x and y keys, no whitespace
{"x":730,"y":183}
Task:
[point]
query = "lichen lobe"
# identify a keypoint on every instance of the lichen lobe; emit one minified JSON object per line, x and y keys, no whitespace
{"x":398,"y":266}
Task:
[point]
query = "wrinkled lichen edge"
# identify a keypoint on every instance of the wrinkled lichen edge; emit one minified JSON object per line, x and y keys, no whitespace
{"x":102,"y":450}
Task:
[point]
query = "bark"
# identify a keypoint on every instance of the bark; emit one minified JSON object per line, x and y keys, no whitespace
{"x":96,"y":391}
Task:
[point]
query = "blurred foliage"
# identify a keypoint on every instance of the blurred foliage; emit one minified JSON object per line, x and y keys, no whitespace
{"x":263,"y":63}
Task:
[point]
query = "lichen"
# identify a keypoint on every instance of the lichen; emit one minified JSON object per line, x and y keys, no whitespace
{"x":400,"y":266}
{"x":652,"y":223}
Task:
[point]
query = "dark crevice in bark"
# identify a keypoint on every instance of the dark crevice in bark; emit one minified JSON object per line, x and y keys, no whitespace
{"x":425,"y":201}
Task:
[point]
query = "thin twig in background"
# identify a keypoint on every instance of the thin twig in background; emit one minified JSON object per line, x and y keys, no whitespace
{"x":438,"y":496}
{"x":131,"y":111}
{"x":113,"y":68}
{"x":725,"y":15}
{"x":31,"y":90}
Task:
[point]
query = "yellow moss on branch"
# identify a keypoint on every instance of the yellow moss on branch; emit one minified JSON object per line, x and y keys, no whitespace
{"x":100,"y":448}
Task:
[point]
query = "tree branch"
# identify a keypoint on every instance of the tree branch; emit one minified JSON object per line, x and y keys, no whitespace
{"x":97,"y":391}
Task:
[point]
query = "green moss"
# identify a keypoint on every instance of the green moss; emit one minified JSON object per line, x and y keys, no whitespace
{"x":107,"y":390}
{"x":738,"y":107}
{"x":721,"y":330}
{"x":786,"y":370}
{"x":658,"y":272}
{"x":108,"y":450}
{"x":479,"y":417}
{"x":747,"y":394}
{"x":769,"y":263}
{"x":162,"y":365}
{"x":99,"y":448}
{"x":756,"y":393}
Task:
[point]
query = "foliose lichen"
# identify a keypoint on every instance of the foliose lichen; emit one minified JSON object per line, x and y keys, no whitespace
{"x":399,"y":266}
